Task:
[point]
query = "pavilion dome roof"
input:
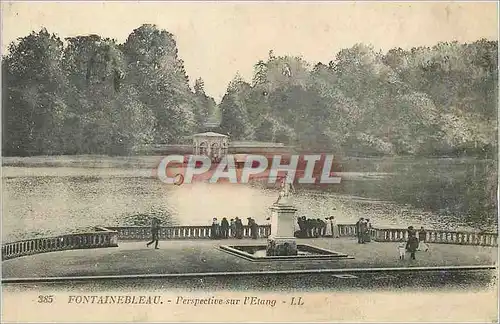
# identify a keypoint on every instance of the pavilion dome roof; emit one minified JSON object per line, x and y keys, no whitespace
{"x":210,"y":134}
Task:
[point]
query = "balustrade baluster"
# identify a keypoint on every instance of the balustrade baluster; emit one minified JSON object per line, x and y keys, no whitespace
{"x":104,"y":238}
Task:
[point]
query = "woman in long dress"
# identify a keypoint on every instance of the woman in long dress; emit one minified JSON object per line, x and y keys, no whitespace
{"x":329,"y":227}
{"x":335,"y":228}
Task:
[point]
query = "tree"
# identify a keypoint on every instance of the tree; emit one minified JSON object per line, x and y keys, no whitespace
{"x":205,"y":106}
{"x":158,"y":74}
{"x":33,"y":100}
{"x":96,"y":69}
{"x":234,"y":115}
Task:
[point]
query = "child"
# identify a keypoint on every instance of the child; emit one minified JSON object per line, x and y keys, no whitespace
{"x":402,"y":249}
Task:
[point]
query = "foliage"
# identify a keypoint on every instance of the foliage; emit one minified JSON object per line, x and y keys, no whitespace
{"x":423,"y":101}
{"x":94,"y":95}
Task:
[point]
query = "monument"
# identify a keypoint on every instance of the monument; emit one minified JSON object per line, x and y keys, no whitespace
{"x":282,"y":242}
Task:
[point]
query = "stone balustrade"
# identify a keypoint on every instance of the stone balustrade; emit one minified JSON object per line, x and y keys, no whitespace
{"x":432,"y":236}
{"x":347,"y":229}
{"x":438,"y":236}
{"x":180,"y":232}
{"x":109,"y":236}
{"x":100,"y":238}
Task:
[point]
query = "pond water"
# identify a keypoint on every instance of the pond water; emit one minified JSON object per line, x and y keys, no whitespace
{"x":436,"y":193}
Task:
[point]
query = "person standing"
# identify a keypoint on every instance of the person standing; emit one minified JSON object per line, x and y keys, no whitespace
{"x":249,"y":226}
{"x":232,"y":226}
{"x":321,"y":227}
{"x":402,"y":249}
{"x":302,"y":225}
{"x":367,"y":234}
{"x":357,"y":228}
{"x":254,"y":229}
{"x":307,"y":226}
{"x":215,"y":229}
{"x":412,"y":246}
{"x":224,"y":228}
{"x":335,"y":227}
{"x":310,"y":227}
{"x":329,"y":227}
{"x":360,"y":229}
{"x":155,"y":228}
{"x":315,"y":226}
{"x":422,"y":237}
{"x":239,"y":228}
{"x":411,"y":231}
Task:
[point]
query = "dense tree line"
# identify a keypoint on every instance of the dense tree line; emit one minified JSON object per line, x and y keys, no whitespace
{"x":91,"y":95}
{"x":424,"y":101}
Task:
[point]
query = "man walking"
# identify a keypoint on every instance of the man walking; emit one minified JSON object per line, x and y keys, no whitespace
{"x":412,"y":246}
{"x":155,"y":228}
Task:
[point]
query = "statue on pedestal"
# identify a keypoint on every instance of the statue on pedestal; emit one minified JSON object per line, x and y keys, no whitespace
{"x":282,"y":242}
{"x":286,"y":190}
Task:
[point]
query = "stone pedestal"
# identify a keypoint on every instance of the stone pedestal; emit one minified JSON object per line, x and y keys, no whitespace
{"x":282,"y":242}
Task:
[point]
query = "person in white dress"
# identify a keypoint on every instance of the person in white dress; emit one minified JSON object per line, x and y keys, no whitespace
{"x":402,"y":249}
{"x":334,"y":227}
{"x":329,"y":227}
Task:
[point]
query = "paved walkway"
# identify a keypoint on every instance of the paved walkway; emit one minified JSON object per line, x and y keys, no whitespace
{"x":204,"y":256}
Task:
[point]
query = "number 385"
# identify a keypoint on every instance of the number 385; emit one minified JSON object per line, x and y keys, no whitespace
{"x":45,"y":299}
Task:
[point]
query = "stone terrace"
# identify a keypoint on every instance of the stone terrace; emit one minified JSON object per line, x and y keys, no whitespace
{"x":204,"y":256}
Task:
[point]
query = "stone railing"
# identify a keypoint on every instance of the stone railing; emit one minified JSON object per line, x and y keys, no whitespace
{"x":180,"y":232}
{"x":432,"y":236}
{"x":109,"y":236}
{"x":100,"y":238}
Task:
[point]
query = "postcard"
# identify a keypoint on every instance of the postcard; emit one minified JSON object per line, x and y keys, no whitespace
{"x":249,"y":161}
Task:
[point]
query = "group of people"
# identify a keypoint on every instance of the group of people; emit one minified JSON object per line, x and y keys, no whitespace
{"x":232,"y":228}
{"x":309,"y":227}
{"x":363,"y":227}
{"x":416,"y":242}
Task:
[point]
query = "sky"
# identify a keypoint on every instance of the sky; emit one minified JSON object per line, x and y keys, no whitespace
{"x":217,"y":40}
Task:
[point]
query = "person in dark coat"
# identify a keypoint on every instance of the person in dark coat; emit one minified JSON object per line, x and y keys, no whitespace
{"x":359,"y":230}
{"x":422,"y":237}
{"x":224,"y":228}
{"x":309,"y":227}
{"x":254,"y":229}
{"x":314,"y":227}
{"x":215,"y":229}
{"x":306,"y":226}
{"x":232,"y":226}
{"x":321,"y":227}
{"x":368,"y":225}
{"x":412,"y":246}
{"x":239,"y":228}
{"x":155,"y":228}
{"x":411,"y":231}
{"x":249,"y":225}
{"x":300,"y":221}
